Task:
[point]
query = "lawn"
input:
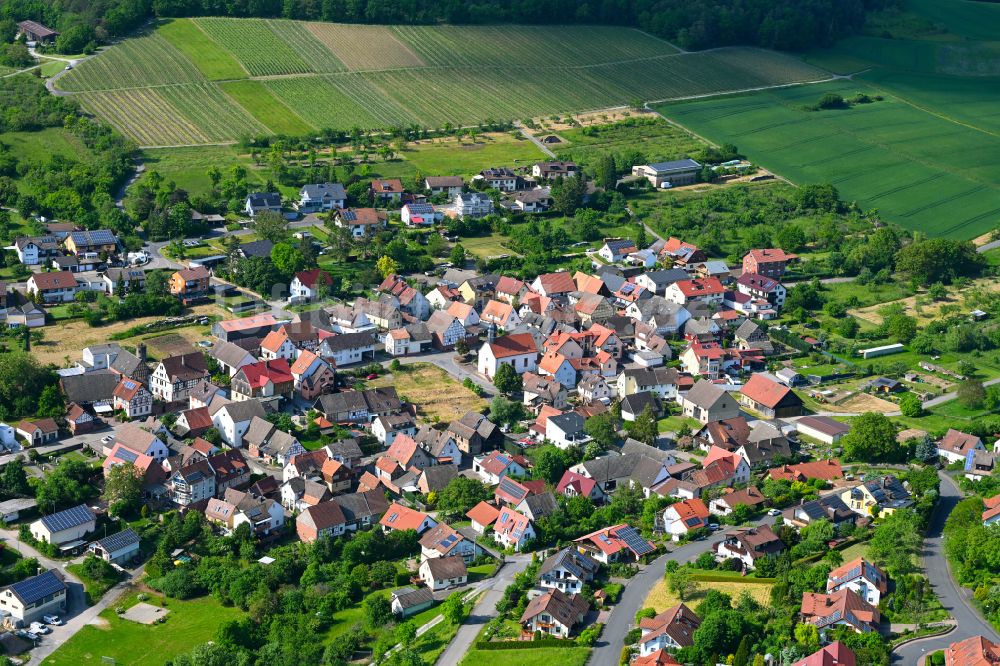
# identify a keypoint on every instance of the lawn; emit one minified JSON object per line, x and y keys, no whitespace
{"x":93,"y":588}
{"x":567,"y":656}
{"x":486,"y":246}
{"x":188,"y":624}
{"x":657,"y":139}
{"x":677,"y":422}
{"x":40,"y":145}
{"x":854,"y":551}
{"x":436,"y":394}
{"x":451,"y":157}
{"x":661,"y":598}
{"x":188,"y":167}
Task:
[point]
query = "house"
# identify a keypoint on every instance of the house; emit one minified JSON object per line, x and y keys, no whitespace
{"x":256,"y":326}
{"x":749,"y":545}
{"x":229,"y":467}
{"x":28,"y":314}
{"x":822,"y":429}
{"x":440,"y":573}
{"x":308,"y":285}
{"x":359,"y":221}
{"x":445,"y":330}
{"x":511,"y":290}
{"x":232,"y":419}
{"x":190,"y":283}
{"x":567,"y":571}
{"x":482,"y":516}
{"x":955,"y":445}
{"x":407,"y":601}
{"x":632,"y":468}
{"x":175,"y":376}
{"x":264,"y":379}
{"x":513,"y":529}
{"x":117,"y":548}
{"x":398,"y":518}
{"x":384,"y":191}
{"x":616,"y":249}
{"x":685,"y":516}
{"x":751,"y":335}
{"x":79,"y":420}
{"x":592,"y":388}
{"x":834,"y":654}
{"x":974,"y":651}
{"x":829,"y":507}
{"x":724,"y":505}
{"x":554,"y":285}
{"x":142,"y":440}
{"x":444,"y":541}
{"x":38,"y":431}
{"x":763,"y":288}
{"x":479,"y":289}
{"x":318,"y":197}
{"x":386,"y":428}
{"x":192,"y":483}
{"x":618,"y":543}
{"x":124,"y":280}
{"x":656,"y":282}
{"x":65,"y":528}
{"x":843,"y":608}
{"x":517,"y":350}
{"x":348,"y":348}
{"x":867,"y":580}
{"x":262,"y":516}
{"x":877,"y":497}
{"x":473,"y":205}
{"x":448,"y":185}
{"x":770,"y":262}
{"x":383,"y":312}
{"x":706,"y":402}
{"x":265,"y":442}
{"x":554,"y":614}
{"x":670,"y":630}
{"x":322,"y":520}
{"x":698,"y":290}
{"x":312,"y":375}
{"x":29,"y":600}
{"x":465,"y":313}
{"x":979,"y":465}
{"x":420,"y":215}
{"x":95,"y":241}
{"x":133,"y":398}
{"x":259,"y":202}
{"x":658,"y":380}
{"x":90,"y":388}
{"x":827,"y":470}
{"x":537,"y":200}
{"x":36,"y":250}
{"x":669,"y":174}
{"x":509,"y":493}
{"x":436,"y":478}
{"x":359,"y":406}
{"x":501,"y":314}
{"x":666,"y":317}
{"x":298,"y":493}
{"x":54,"y":287}
{"x":553,"y":170}
{"x":566,"y":430}
{"x":634,"y":404}
{"x":769,"y":398}
{"x":572,"y":484}
{"x":500,"y":178}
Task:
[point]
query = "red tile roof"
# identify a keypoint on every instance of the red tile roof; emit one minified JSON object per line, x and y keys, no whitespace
{"x":701,"y":287}
{"x":828,"y":470}
{"x":975,"y":651}
{"x":55,"y":280}
{"x":483,"y":513}
{"x":513,"y":345}
{"x":834,"y":654}
{"x":309,"y":278}
{"x":399,"y":517}
{"x":258,"y":374}
{"x":765,"y":391}
{"x":581,"y":484}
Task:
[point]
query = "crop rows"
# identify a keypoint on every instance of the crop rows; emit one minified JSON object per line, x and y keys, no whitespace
{"x":255,"y":45}
{"x":349,"y":103}
{"x":144,"y":115}
{"x":305,"y":44}
{"x":529,"y":46}
{"x":212,"y":112}
{"x":364,"y":47}
{"x":145,"y":61}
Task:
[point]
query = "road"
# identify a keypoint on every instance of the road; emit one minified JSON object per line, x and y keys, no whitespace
{"x":534,"y":139}
{"x":485,"y":611}
{"x":955,"y":599}
{"x":622,"y":617}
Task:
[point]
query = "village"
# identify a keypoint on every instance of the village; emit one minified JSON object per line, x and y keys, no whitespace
{"x":622,"y":421}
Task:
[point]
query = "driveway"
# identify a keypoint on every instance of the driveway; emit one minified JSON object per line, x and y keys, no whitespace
{"x":955,"y":599}
{"x":485,"y":611}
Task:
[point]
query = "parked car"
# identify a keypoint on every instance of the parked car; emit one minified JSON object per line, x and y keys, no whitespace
{"x":27,"y":634}
{"x":38,"y":628}
{"x":774,"y":512}
{"x":107,"y":439}
{"x":713,"y":526}
{"x":52,"y":619}
{"x":372,"y":376}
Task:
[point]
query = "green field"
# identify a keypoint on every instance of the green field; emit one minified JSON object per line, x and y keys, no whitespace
{"x":446,"y":157}
{"x":188,"y":167}
{"x":655,"y":138}
{"x":568,"y":656}
{"x":188,"y":624}
{"x":911,"y":164}
{"x":337,"y":76}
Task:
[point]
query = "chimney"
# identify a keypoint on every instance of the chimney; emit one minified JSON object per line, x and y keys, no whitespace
{"x":140,"y":352}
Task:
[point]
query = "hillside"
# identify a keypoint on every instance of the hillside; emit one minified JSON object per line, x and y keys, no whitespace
{"x":925,"y":153}
{"x":212,"y":80}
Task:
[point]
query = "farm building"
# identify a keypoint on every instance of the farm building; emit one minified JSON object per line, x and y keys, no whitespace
{"x":669,"y":174}
{"x":822,"y":428}
{"x":884,"y":350}
{"x":36,"y":32}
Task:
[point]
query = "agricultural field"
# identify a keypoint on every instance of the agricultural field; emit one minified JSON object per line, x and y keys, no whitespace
{"x":661,"y":598}
{"x":341,"y":77}
{"x":909,"y":163}
{"x":654,"y":137}
{"x":454,"y":157}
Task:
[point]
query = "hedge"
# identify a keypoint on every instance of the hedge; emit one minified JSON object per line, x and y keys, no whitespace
{"x":526,"y":645}
{"x":718,"y":578}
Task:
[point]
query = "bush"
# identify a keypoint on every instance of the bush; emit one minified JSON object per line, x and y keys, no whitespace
{"x":613,"y":592}
{"x":590,"y":635}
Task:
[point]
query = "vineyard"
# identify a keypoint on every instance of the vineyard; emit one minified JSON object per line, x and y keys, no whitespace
{"x":219,"y":78}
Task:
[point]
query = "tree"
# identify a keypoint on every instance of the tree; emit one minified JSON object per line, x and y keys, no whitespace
{"x":971,"y":393}
{"x":603,"y":428}
{"x":807,"y":635}
{"x":460,"y":495}
{"x":507,"y":380}
{"x":644,"y":427}
{"x":742,"y":656}
{"x":453,"y":609}
{"x":910,"y":405}
{"x":270,"y":226}
{"x":505,"y":412}
{"x":939,"y":260}
{"x":926,"y":450}
{"x":550,"y":463}
{"x":457,"y":256}
{"x":378,"y":610}
{"x":22,"y":380}
{"x":606,"y":173}
{"x":872,"y":437}
{"x":51,"y":402}
{"x":288,"y":260}
{"x":406,"y":633}
{"x":14,"y":480}
{"x":681,"y":583}
{"x":123,"y":488}
{"x":386,"y":266}
{"x":901,"y":327}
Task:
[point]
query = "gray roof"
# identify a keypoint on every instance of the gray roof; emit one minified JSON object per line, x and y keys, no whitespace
{"x":257,"y":248}
{"x":36,"y":588}
{"x":263,"y":199}
{"x":540,"y":505}
{"x":320,"y":190}
{"x":675,"y":166}
{"x":704,"y":394}
{"x":665,"y":311}
{"x":747,"y":329}
{"x":447,"y":567}
{"x":345,"y":448}
{"x":635,"y":446}
{"x":357,"y":506}
{"x":409,"y":597}
{"x":635,"y":403}
{"x":346,"y":341}
{"x":90,"y":386}
{"x":667,"y":276}
{"x":229,"y":354}
{"x":580,"y":565}
{"x":439,"y":476}
{"x":570,"y":422}
{"x":636,"y":466}
{"x":244,"y":410}
{"x":119,"y":541}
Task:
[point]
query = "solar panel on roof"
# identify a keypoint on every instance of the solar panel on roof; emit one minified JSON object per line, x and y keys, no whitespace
{"x":38,"y":587}
{"x":127,"y":456}
{"x":68,"y":518}
{"x":634,"y":541}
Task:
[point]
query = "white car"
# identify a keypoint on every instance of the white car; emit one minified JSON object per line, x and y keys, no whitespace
{"x":52,"y":619}
{"x":38,"y":628}
{"x":107,"y":439}
{"x":774,"y":512}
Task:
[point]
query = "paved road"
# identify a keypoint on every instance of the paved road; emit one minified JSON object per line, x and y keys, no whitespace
{"x":986,"y":247}
{"x":485,"y":611}
{"x":622,"y":617}
{"x":954,"y":598}
{"x":534,"y":139}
